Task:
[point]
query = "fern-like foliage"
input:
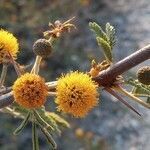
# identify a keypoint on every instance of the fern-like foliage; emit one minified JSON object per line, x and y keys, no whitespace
{"x":110,"y":31}
{"x":106,"y":48}
{"x":139,"y":89}
{"x":98,"y":30}
{"x":105,"y":39}
{"x":52,"y":121}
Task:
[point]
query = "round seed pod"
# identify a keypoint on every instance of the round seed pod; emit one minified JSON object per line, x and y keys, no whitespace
{"x":143,"y":75}
{"x":42,"y":47}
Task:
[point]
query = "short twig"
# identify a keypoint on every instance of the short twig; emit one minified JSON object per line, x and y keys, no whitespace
{"x":52,"y":93}
{"x":3,"y":74}
{"x":5,"y":90}
{"x":51,"y":85}
{"x":6,"y":100}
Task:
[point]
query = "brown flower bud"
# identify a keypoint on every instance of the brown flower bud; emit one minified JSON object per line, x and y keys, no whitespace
{"x":143,"y":75}
{"x":42,"y":47}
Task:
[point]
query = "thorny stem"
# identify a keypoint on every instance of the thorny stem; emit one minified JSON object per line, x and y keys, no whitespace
{"x":112,"y":92}
{"x":107,"y":77}
{"x":3,"y":74}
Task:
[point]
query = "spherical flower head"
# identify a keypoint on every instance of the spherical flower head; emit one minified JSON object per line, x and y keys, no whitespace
{"x":30,"y":91}
{"x":76,"y":94}
{"x":8,"y":46}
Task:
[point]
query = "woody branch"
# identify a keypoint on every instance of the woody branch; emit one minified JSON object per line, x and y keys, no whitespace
{"x":107,"y":77}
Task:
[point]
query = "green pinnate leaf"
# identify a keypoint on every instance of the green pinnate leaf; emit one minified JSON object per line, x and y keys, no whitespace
{"x":23,"y":124}
{"x":98,"y":31}
{"x":106,"y":39}
{"x":40,"y":119}
{"x":110,"y":32}
{"x":49,"y":138}
{"x":139,"y":89}
{"x":48,"y":119}
{"x":58,"y":119}
{"x":106,"y":48}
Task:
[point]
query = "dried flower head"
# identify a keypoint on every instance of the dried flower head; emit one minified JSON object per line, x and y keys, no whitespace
{"x":42,"y":47}
{"x":58,"y":28}
{"x":8,"y":46}
{"x":30,"y":91}
{"x":143,"y":75}
{"x":76,"y":94}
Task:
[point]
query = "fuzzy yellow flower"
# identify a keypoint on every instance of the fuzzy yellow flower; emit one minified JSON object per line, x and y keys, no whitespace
{"x":30,"y":91}
{"x":8,"y":45}
{"x":76,"y":94}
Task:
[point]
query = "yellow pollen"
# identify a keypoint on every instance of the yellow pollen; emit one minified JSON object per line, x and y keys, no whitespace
{"x":76,"y":94}
{"x":8,"y":45}
{"x":30,"y":91}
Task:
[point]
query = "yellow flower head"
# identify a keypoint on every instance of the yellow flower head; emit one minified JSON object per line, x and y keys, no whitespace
{"x":8,"y":46}
{"x":30,"y":91}
{"x":76,"y":94}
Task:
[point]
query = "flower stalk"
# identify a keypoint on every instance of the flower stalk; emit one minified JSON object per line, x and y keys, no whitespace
{"x":15,"y":64}
{"x":3,"y":74}
{"x":35,"y":69}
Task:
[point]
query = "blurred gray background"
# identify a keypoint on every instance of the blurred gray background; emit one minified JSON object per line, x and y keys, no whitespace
{"x":110,"y":126}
